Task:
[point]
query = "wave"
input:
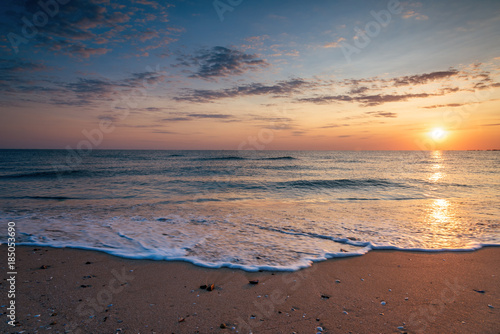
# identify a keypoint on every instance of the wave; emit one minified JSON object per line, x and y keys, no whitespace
{"x":49,"y":174}
{"x":340,"y":183}
{"x":231,"y":157}
{"x":53,"y":198}
{"x":279,"y":158}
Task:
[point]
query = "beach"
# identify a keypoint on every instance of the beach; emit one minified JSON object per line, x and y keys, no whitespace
{"x":80,"y":291}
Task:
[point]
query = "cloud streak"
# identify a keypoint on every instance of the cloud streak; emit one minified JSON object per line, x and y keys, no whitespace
{"x":367,"y":92}
{"x":220,"y":61}
{"x":279,"y":89}
{"x":199,"y":116}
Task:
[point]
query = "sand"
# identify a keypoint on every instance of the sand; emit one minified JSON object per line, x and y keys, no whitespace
{"x":77,"y":291}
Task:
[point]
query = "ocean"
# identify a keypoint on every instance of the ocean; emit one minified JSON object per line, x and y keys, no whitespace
{"x":253,"y":210}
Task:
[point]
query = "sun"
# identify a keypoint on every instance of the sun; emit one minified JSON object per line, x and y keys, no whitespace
{"x":438,"y":134}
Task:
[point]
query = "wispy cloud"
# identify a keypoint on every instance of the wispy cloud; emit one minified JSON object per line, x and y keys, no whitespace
{"x":279,"y":89}
{"x":19,"y":65}
{"x":220,"y":61}
{"x":448,"y":105}
{"x":421,"y":79}
{"x":413,"y":14}
{"x":334,"y":44}
{"x":216,"y":116}
{"x":364,"y":100}
{"x":386,"y":114}
{"x":181,"y":117}
{"x":331,"y":126}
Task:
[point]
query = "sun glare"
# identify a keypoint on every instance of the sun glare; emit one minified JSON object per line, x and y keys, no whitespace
{"x":437,"y":134}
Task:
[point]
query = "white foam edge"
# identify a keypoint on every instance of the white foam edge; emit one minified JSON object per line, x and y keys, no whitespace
{"x":304,"y":263}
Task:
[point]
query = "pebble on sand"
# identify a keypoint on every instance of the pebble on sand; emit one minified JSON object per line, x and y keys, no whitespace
{"x":256,"y":281}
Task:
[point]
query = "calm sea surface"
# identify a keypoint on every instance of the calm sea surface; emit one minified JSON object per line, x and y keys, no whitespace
{"x":248,"y":209}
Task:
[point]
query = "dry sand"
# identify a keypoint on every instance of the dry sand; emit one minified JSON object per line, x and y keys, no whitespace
{"x":89,"y":292}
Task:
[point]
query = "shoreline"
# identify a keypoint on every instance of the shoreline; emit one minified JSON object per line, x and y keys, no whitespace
{"x":265,"y":268}
{"x":387,"y":291}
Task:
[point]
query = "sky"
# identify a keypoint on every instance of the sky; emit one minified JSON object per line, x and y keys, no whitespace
{"x":250,"y":75}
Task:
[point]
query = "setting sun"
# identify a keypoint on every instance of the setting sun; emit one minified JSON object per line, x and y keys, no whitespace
{"x":438,"y":134}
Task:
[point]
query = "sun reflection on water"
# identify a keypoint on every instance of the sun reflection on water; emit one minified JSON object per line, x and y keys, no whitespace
{"x":439,"y":211}
{"x":444,"y":224}
{"x":442,"y":216}
{"x":437,"y":175}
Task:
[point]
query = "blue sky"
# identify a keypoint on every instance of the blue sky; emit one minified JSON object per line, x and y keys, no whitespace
{"x":212,"y":74}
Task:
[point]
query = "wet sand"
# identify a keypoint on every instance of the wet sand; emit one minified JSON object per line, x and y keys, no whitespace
{"x":77,"y":291}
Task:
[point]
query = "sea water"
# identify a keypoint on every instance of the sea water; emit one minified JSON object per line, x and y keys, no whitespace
{"x":254,"y":210}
